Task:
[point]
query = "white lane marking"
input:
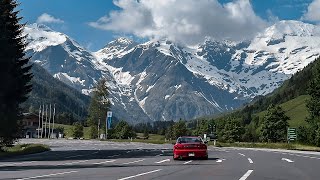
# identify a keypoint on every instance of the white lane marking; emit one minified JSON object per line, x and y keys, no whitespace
{"x":246,"y":175}
{"x":250,"y":160}
{"x":288,"y":160}
{"x":104,"y":162}
{"x":140,"y":174}
{"x":134,"y":161}
{"x":115,"y":155}
{"x":12,"y":164}
{"x":241,"y":154}
{"x":188,"y":162}
{"x":48,"y":175}
{"x":219,"y":160}
{"x":75,"y":162}
{"x":162,"y":161}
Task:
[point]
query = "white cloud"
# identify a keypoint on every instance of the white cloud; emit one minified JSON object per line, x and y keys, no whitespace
{"x":313,"y":12}
{"x":47,"y":18}
{"x":185,"y":21}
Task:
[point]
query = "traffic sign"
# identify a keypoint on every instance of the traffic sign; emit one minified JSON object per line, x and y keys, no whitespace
{"x":109,"y":114}
{"x":291,"y":134}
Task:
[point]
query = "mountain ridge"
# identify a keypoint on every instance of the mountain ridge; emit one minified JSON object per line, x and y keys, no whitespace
{"x":162,"y":80}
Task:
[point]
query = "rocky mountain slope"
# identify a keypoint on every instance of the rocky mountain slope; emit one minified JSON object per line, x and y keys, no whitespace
{"x":162,"y":80}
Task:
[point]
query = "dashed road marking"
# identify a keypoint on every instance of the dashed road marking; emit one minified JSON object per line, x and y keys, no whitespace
{"x":116,"y":155}
{"x":75,"y":162}
{"x":250,"y":160}
{"x":288,"y":160}
{"x":246,"y":175}
{"x":241,"y":154}
{"x":165,"y":160}
{"x":48,"y":175}
{"x":188,"y":162}
{"x":104,"y":162}
{"x":12,"y":164}
{"x":134,"y":161}
{"x":130,"y":177}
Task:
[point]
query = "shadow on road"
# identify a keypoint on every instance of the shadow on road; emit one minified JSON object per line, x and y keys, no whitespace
{"x":90,"y":154}
{"x":78,"y":155}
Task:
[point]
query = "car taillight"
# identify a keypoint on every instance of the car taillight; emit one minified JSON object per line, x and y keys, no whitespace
{"x":203,"y":146}
{"x":178,"y":146}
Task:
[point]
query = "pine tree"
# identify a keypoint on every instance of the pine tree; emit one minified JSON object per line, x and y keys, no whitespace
{"x":99,"y":106}
{"x":77,"y":130}
{"x":180,"y":129}
{"x":274,"y":126}
{"x":233,"y":130}
{"x":14,"y":72}
{"x":313,"y":104}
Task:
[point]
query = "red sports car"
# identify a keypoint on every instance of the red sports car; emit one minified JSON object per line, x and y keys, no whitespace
{"x":190,"y":147}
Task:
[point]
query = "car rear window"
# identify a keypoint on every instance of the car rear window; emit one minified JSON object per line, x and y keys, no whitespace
{"x":189,"y":140}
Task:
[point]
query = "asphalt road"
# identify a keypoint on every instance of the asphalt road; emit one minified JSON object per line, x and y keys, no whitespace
{"x":82,"y":159}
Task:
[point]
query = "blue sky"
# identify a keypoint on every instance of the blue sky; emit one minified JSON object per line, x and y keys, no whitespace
{"x":75,"y":17}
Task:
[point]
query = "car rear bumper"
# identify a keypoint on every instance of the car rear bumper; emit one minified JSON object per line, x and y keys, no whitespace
{"x":186,"y":153}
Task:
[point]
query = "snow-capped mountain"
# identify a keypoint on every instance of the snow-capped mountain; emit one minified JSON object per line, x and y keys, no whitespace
{"x":63,"y":57}
{"x":162,"y":80}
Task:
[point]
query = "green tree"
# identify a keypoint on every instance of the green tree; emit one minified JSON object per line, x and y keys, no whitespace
{"x":14,"y":72}
{"x":169,"y":132}
{"x":123,"y":130}
{"x":77,"y":130}
{"x":179,"y":129}
{"x":233,"y":130}
{"x":60,"y":129}
{"x":202,"y":128}
{"x":146,"y":132}
{"x":274,"y":125}
{"x":250,"y":134}
{"x":313,"y":104}
{"x":93,"y":132}
{"x":99,"y":105}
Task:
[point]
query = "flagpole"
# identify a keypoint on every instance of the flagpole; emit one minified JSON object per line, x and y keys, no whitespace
{"x":45,"y":124}
{"x":49,"y":132}
{"x":42,"y":114}
{"x":54,"y":114}
{"x":39,"y":122}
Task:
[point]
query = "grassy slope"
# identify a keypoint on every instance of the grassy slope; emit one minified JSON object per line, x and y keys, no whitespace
{"x":68,"y":130}
{"x":295,"y":109}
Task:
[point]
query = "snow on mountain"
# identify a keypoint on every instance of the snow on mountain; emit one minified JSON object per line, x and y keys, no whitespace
{"x":40,"y":37}
{"x":63,"y":57}
{"x":162,"y":80}
{"x":116,"y":48}
{"x":257,"y":67}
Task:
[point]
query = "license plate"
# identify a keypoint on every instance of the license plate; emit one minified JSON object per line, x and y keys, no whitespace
{"x":191,"y":154}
